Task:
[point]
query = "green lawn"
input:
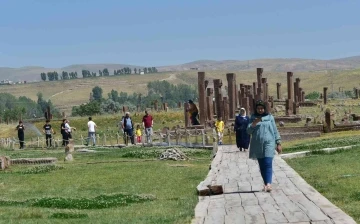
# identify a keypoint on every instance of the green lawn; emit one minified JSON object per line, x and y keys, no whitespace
{"x":335,"y":175}
{"x":110,"y":172}
{"x":336,"y":139}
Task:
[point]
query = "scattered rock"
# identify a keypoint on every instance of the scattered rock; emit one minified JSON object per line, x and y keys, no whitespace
{"x":173,"y":154}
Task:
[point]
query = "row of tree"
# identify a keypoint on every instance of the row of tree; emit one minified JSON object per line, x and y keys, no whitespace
{"x":160,"y":91}
{"x":54,"y":76}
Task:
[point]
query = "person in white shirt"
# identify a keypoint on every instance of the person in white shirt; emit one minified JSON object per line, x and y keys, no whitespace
{"x":91,"y":132}
{"x":68,"y":130}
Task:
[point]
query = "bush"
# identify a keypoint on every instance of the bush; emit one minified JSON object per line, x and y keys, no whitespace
{"x":313,"y":96}
{"x":62,"y":215}
{"x":99,"y":202}
{"x":42,"y":169}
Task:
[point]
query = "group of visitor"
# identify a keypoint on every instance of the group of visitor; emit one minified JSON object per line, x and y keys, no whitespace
{"x":259,"y":130}
{"x":128,"y":128}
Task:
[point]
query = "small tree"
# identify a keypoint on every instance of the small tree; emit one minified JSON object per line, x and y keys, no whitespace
{"x":43,"y":76}
{"x":97,"y":93}
{"x":105,"y":72}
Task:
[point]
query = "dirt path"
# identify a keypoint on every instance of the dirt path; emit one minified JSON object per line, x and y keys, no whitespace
{"x":171,"y":77}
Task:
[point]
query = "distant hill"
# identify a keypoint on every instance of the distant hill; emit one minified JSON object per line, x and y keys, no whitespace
{"x":280,"y":64}
{"x":32,"y":73}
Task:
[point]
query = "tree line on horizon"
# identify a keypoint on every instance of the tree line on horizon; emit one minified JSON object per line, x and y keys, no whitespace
{"x":54,"y":76}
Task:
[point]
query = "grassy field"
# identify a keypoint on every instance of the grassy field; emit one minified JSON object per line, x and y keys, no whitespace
{"x":335,"y":175}
{"x":107,"y":124}
{"x":110,"y":186}
{"x":68,"y":93}
{"x":336,"y":139}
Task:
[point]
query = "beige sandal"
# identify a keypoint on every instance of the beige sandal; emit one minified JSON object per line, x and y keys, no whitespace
{"x":268,"y":188}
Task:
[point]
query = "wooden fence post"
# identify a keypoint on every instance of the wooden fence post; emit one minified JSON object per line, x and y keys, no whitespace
{"x":186,"y":138}
{"x":230,"y":139}
{"x":177,"y":136}
{"x":196,"y":136}
{"x":203,"y":137}
{"x":13,"y":144}
{"x":143,"y":136}
{"x":215,"y":142}
{"x":168,"y":137}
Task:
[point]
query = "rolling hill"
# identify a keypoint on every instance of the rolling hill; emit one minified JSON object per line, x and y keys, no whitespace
{"x":32,"y":73}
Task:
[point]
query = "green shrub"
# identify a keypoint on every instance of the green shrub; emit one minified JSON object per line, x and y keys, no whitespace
{"x":42,"y":169}
{"x":99,"y":202}
{"x":62,"y":215}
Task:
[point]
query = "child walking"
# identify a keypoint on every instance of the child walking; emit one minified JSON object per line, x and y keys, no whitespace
{"x":219,"y":124}
{"x":138,"y":133}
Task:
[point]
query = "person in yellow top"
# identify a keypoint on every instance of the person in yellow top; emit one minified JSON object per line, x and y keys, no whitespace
{"x":138,"y":133}
{"x":219,"y":124}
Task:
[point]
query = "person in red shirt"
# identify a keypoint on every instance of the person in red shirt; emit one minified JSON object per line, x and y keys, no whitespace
{"x":148,"y":123}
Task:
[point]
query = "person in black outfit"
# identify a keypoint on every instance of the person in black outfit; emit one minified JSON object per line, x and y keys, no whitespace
{"x":21,"y":128}
{"x":63,"y":132}
{"x":48,"y":131}
{"x":241,"y":124}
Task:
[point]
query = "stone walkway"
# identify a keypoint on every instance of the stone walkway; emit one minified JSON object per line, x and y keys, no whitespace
{"x":291,"y":201}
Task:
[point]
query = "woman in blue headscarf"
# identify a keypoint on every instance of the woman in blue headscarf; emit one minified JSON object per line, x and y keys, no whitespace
{"x":264,"y":139}
{"x":241,"y":124}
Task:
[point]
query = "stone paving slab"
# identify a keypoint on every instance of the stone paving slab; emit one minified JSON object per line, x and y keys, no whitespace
{"x":243,"y":201}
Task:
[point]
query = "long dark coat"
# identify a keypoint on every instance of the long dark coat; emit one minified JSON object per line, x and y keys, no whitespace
{"x":242,"y":137}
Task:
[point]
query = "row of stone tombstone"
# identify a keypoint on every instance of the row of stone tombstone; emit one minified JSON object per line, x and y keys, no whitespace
{"x":213,"y":103}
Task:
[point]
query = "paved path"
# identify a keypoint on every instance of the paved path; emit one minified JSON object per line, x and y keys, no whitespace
{"x":291,"y":201}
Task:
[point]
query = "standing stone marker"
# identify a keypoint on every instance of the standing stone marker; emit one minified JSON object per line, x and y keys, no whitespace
{"x":231,"y":94}
{"x":278,"y":90}
{"x":202,"y":103}
{"x":325,"y":95}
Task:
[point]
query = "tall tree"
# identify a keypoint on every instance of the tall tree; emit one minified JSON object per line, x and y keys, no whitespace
{"x":135,"y":70}
{"x":97,"y":93}
{"x":106,"y":72}
{"x":43,"y":76}
{"x":64,"y":75}
{"x":56,"y":76}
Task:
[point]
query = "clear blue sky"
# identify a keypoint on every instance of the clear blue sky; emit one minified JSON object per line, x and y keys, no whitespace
{"x":57,"y":33}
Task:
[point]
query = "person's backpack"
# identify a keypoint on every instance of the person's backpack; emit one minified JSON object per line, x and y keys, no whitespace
{"x":127,"y":120}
